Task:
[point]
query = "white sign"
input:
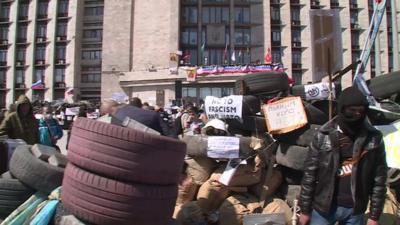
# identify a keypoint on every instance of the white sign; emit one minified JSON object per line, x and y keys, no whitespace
{"x":229,"y":107}
{"x":72,"y":111}
{"x":223,"y":147}
{"x":285,"y":115}
{"x":230,"y":170}
{"x":318,"y":91}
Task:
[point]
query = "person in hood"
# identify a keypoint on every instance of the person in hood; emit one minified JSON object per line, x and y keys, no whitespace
{"x":346,"y":168}
{"x":21,"y":124}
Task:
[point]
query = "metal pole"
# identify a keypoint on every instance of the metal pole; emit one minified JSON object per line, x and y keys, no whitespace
{"x":330,"y":85}
{"x":231,"y":29}
{"x":378,"y":69}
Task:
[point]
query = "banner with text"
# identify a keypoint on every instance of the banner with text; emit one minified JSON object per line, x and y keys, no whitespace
{"x":223,"y":147}
{"x":318,"y":91}
{"x":285,"y":115}
{"x":229,"y":107}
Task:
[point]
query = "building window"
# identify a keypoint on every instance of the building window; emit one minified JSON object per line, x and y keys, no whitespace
{"x":295,"y":14}
{"x":94,"y":11}
{"x":41,"y":30}
{"x":20,"y":76}
{"x":62,"y":29}
{"x":275,"y":14}
{"x":23,"y":11}
{"x":354,"y":18}
{"x":3,"y":57}
{"x":39,"y":75}
{"x":91,"y":78}
{"x":242,"y":15}
{"x":390,"y":62}
{"x":189,"y":36}
{"x":242,"y":36}
{"x":93,"y":34}
{"x":59,"y":75}
{"x":276,"y":56}
{"x":211,"y":15}
{"x":297,"y":77}
{"x":22,"y":32}
{"x":21,"y":52}
{"x":296,"y":57}
{"x":3,"y":34}
{"x":42,"y":9}
{"x":276,"y":36}
{"x":3,"y":78}
{"x":63,"y":8}
{"x":60,"y":52}
{"x":189,"y":15}
{"x":40,"y":53}
{"x":91,"y":54}
{"x":242,"y":56}
{"x":4,"y":13}
{"x":296,"y":35}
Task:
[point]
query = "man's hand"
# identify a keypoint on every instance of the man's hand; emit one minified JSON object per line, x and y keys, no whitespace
{"x":305,"y":219}
{"x":372,"y":222}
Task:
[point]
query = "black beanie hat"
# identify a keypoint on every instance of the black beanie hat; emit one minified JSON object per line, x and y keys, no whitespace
{"x":351,"y":96}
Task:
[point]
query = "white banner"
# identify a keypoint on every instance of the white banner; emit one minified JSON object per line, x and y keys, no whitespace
{"x":285,"y":115}
{"x":318,"y":91}
{"x":229,"y":107}
{"x":223,"y":147}
{"x":72,"y":111}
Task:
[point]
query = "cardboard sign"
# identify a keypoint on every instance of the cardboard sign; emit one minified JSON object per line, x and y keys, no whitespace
{"x":391,"y":137}
{"x":229,"y":107}
{"x":72,"y":111}
{"x":223,"y":147}
{"x":230,"y":171}
{"x":318,"y":91}
{"x":285,"y":115}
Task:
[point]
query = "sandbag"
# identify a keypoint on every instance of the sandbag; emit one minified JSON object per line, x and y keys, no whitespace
{"x":235,"y":207}
{"x":211,"y":195}
{"x":187,"y":191}
{"x":279,"y":206}
{"x":197,"y":146}
{"x":391,"y":210}
{"x":200,"y":169}
{"x":245,"y":175}
{"x":272,"y":184}
{"x":189,"y":214}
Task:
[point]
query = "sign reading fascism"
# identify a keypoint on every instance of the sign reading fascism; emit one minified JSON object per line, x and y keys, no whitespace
{"x":229,"y":107}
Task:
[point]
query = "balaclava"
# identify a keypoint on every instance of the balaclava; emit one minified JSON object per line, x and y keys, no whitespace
{"x":351,"y":123}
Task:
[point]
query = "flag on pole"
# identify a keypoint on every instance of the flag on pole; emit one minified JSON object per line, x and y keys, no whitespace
{"x":226,"y":53}
{"x":38,"y":85}
{"x":268,"y":57}
{"x":233,"y":57}
{"x":240,"y":55}
{"x":203,"y":46}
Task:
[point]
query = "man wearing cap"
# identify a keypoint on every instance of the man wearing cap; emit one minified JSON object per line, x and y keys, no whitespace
{"x":346,"y":168}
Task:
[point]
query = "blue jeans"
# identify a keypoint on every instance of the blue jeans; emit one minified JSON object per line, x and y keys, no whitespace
{"x":337,"y":214}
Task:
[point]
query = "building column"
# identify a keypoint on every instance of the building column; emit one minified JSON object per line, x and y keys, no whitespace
{"x":395,"y":35}
{"x":232,"y":29}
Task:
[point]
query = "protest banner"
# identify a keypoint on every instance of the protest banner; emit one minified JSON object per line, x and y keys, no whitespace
{"x":72,"y":111}
{"x":223,"y":147}
{"x":229,"y":107}
{"x":391,"y":138}
{"x":285,"y":115}
{"x":318,"y":91}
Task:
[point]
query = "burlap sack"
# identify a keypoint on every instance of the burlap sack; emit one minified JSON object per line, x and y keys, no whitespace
{"x":187,"y":191}
{"x":246,"y":175}
{"x":211,"y":195}
{"x":189,"y":214}
{"x":391,"y":210}
{"x":272,"y":184}
{"x":200,"y":169}
{"x":279,"y":206}
{"x":235,"y":207}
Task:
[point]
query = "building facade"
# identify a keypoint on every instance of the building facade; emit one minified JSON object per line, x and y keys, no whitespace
{"x":137,"y":52}
{"x":49,"y":46}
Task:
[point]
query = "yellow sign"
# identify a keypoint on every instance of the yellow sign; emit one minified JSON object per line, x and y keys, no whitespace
{"x":391,"y":137}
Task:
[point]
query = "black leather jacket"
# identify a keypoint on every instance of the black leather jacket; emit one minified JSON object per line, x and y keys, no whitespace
{"x":368,"y":181}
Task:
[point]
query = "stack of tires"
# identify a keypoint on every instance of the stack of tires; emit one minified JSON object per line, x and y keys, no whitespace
{"x":121,"y":176}
{"x":32,"y":169}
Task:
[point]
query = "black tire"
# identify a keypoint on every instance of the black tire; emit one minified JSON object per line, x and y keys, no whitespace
{"x":323,"y":105}
{"x":125,"y":154}
{"x":291,"y":156}
{"x":302,"y":137}
{"x":34,"y":172}
{"x":298,"y":90}
{"x":263,"y":83}
{"x":314,"y":115}
{"x":197,"y":146}
{"x":61,"y":211}
{"x":292,"y":176}
{"x":12,"y":194}
{"x":250,"y":124}
{"x":378,"y":117}
{"x":251,"y":106}
{"x":105,"y":201}
{"x":384,"y":86}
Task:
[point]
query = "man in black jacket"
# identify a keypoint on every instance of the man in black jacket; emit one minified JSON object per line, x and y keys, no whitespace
{"x":346,"y":168}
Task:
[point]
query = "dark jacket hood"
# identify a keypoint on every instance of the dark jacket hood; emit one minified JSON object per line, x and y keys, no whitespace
{"x":21,"y":100}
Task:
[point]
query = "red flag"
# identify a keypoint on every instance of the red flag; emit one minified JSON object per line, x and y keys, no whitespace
{"x":378,"y":1}
{"x":268,"y":57}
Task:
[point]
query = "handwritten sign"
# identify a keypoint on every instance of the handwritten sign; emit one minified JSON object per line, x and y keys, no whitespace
{"x":223,"y":147}
{"x":229,"y":107}
{"x":318,"y":91}
{"x":285,"y":115}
